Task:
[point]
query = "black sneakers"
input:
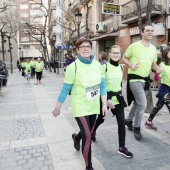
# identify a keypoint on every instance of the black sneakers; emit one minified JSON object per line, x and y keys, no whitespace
{"x":137,"y":133}
{"x":124,"y":151}
{"x":89,"y":169}
{"x":76,"y":143}
{"x":128,"y":123}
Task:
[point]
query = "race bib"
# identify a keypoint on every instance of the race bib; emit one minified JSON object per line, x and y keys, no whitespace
{"x":92,"y":92}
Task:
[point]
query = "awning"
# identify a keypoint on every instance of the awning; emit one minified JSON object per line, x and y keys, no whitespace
{"x":108,"y":36}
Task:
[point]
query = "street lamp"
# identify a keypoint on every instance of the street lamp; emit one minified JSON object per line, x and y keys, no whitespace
{"x":19,"y":52}
{"x":78,"y":17}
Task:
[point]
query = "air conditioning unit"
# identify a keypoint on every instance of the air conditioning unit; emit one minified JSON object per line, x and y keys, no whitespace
{"x":100,"y":27}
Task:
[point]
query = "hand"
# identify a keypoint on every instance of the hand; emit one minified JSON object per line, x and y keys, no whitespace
{"x":160,"y":70}
{"x":135,"y":66}
{"x":110,"y":104}
{"x":104,"y":111}
{"x":56,"y":111}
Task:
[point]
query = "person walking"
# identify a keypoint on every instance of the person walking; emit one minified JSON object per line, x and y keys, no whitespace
{"x":113,"y":74}
{"x":23,"y":67}
{"x":163,"y":94}
{"x":32,"y":63}
{"x":39,"y":65}
{"x":84,"y":78}
{"x":103,"y":58}
{"x":140,"y":57}
{"x":27,"y":70}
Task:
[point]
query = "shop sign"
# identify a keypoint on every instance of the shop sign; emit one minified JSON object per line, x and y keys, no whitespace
{"x":134,"y":31}
{"x":110,"y":8}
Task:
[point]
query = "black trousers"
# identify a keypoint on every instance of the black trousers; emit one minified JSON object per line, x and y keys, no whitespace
{"x":86,"y":125}
{"x":158,"y":107}
{"x":120,"y":117}
{"x":38,"y":75}
{"x":32,"y":71}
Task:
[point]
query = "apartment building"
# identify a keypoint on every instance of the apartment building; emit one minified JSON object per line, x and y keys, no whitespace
{"x":116,"y":22}
{"x":31,"y":12}
{"x":56,"y":31}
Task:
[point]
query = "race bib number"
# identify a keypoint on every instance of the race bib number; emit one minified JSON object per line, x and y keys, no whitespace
{"x":92,"y":92}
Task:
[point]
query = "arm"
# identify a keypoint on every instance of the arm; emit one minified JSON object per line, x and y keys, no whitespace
{"x":61,"y":98}
{"x":157,"y":68}
{"x":103,"y":94}
{"x":133,"y":66}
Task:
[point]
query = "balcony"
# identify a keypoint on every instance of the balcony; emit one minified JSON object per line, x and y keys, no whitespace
{"x":130,"y":13}
{"x":53,"y":6}
{"x":75,"y":5}
{"x":84,"y":1}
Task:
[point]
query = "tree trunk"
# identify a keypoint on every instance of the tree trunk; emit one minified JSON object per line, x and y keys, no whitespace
{"x":11,"y":65}
{"x":87,"y":24}
{"x":139,"y":14}
{"x":148,"y":12}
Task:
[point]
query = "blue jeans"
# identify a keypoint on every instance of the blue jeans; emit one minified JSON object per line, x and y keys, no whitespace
{"x":139,"y":104}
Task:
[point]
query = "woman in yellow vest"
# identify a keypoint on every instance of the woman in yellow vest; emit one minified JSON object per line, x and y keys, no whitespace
{"x":38,"y":70}
{"x":84,"y":78}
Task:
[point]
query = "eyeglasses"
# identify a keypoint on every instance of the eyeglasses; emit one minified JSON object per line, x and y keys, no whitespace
{"x":84,"y":47}
{"x":115,"y":53}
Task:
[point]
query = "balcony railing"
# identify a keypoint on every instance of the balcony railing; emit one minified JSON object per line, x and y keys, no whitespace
{"x":129,"y":9}
{"x":84,"y":1}
{"x":75,"y":5}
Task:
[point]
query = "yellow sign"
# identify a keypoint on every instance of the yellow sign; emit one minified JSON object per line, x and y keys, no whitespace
{"x":110,"y":8}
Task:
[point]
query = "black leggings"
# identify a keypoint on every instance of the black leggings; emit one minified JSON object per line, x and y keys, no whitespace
{"x":86,"y":125}
{"x":119,"y":113}
{"x":38,"y":75}
{"x":158,"y":107}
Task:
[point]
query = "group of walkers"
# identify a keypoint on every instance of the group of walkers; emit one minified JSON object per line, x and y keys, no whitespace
{"x":95,"y":88}
{"x":30,"y":68}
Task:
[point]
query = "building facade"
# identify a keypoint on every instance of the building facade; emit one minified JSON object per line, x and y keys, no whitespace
{"x":116,"y":22}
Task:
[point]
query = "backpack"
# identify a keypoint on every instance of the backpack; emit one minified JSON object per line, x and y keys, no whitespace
{"x":75,"y":72}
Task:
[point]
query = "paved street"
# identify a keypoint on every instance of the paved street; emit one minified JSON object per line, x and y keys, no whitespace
{"x":32,"y":139}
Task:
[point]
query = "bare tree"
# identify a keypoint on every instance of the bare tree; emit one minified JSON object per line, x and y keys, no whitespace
{"x":39,"y":29}
{"x":9,"y":28}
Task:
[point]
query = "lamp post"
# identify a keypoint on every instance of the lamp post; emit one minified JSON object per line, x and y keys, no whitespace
{"x":19,"y":52}
{"x":78,"y":17}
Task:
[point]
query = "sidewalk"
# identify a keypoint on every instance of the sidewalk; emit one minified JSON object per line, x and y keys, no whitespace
{"x":32,"y":139}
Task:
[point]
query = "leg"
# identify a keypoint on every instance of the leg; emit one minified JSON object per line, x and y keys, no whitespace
{"x":137,"y":89}
{"x":99,"y":121}
{"x":167,"y":103}
{"x":85,"y":124}
{"x":139,"y":93}
{"x":155,"y":110}
{"x":40,"y":74}
{"x":37,"y":76}
{"x":119,"y":112}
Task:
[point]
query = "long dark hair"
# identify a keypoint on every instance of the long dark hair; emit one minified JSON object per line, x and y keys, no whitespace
{"x":165,"y":59}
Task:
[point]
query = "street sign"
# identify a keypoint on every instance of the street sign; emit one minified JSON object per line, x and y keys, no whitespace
{"x":64,"y":47}
{"x":110,"y":8}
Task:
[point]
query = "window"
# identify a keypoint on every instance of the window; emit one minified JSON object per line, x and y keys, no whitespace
{"x":24,"y":31}
{"x":24,"y":15}
{"x":36,"y":6}
{"x":24,"y":38}
{"x":26,"y":46}
{"x":23,"y":6}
